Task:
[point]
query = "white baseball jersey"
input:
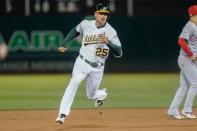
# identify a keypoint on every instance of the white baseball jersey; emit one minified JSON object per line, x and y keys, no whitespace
{"x":189,"y":33}
{"x":94,"y":50}
{"x":92,"y":47}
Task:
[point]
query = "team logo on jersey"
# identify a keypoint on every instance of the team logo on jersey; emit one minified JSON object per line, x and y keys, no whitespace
{"x":93,"y":39}
{"x":193,"y":38}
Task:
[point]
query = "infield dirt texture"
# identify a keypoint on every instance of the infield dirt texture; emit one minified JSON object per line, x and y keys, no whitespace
{"x":95,"y":120}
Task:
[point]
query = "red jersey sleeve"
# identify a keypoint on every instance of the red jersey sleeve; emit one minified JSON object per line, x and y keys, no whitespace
{"x":183,"y":44}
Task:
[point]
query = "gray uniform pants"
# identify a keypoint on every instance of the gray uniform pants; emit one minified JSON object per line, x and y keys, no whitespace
{"x":187,"y":86}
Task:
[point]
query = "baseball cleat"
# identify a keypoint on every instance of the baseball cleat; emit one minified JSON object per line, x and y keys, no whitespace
{"x":179,"y":117}
{"x":189,"y":115}
{"x":99,"y":103}
{"x":60,"y":119}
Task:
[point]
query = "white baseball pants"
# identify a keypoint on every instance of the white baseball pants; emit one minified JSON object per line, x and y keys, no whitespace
{"x":93,"y":76}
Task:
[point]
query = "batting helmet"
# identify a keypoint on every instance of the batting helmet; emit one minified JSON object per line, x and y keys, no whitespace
{"x":102,"y":8}
{"x":192,"y":10}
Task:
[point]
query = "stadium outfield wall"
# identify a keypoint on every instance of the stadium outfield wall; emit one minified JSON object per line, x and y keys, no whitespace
{"x":149,"y":43}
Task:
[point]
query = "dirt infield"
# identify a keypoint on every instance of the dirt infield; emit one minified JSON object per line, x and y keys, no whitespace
{"x":95,"y":120}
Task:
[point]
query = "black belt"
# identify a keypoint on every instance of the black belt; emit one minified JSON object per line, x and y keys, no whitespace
{"x":93,"y":64}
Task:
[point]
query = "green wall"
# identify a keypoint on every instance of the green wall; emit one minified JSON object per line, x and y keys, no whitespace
{"x":149,"y":43}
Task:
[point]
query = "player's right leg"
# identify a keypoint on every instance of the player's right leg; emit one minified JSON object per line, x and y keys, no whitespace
{"x":181,"y":91}
{"x":79,"y":73}
{"x":178,"y":98}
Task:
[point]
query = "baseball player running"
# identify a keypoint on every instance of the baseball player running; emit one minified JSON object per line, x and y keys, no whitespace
{"x":98,"y":38}
{"x":188,"y":66}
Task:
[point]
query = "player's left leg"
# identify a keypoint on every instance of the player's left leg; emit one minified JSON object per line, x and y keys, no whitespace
{"x":192,"y":78}
{"x":92,"y":87}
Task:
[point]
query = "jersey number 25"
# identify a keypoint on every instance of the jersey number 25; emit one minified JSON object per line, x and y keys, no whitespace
{"x":102,"y":52}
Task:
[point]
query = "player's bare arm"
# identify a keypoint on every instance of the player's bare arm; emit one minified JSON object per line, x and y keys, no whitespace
{"x":70,"y":36}
{"x":62,"y":49}
{"x":103,"y":38}
{"x":193,"y":58}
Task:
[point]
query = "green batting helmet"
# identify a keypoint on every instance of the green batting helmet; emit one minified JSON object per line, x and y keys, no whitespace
{"x":102,"y":8}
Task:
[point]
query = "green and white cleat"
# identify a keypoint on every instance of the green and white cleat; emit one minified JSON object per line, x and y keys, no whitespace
{"x":99,"y":103}
{"x":60,"y":119}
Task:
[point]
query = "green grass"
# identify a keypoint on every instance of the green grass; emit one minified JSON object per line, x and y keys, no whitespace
{"x":125,"y":91}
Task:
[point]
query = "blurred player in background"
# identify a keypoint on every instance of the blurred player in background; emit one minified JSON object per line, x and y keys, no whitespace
{"x":3,"y":49}
{"x":188,"y":66}
{"x":98,"y":38}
